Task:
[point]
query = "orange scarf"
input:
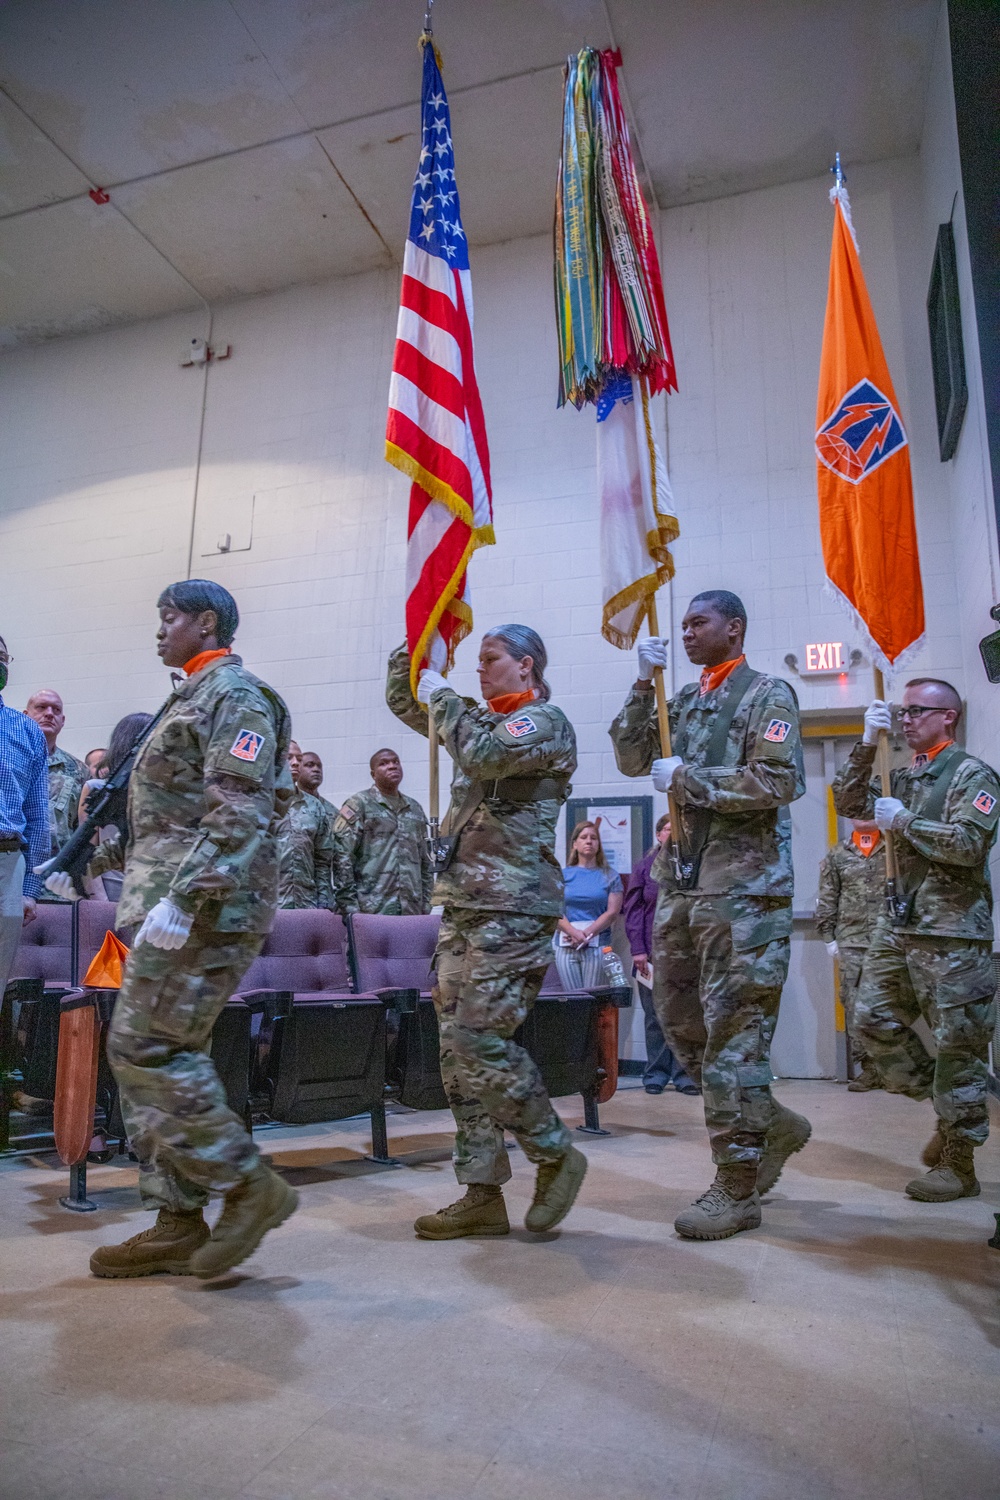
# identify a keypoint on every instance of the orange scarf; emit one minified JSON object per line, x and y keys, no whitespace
{"x":924,"y":757}
{"x":508,"y":702}
{"x":713,"y":677}
{"x":203,"y":659}
{"x":865,"y":840}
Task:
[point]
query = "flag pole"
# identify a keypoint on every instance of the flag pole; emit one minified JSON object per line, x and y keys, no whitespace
{"x":663,"y":723}
{"x":882,"y":764}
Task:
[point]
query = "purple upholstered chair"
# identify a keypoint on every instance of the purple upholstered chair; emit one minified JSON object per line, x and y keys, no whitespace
{"x":392,"y":952}
{"x":45,"y":949}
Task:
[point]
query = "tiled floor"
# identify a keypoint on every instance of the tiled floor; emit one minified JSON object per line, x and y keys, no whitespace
{"x":848,"y":1348}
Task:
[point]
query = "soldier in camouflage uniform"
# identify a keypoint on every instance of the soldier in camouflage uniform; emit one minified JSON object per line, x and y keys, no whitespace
{"x":502,"y":894}
{"x":382,"y":864}
{"x":310,"y":779}
{"x":66,"y":773}
{"x":935,"y":958}
{"x":305,"y":849}
{"x":201,"y":874}
{"x":851,"y":900}
{"x":721,"y":935}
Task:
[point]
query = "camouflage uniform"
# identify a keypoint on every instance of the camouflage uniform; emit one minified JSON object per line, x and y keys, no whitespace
{"x":851,"y":900}
{"x":721,"y":949}
{"x":305,"y":854}
{"x":66,"y":778}
{"x":208,"y":789}
{"x":502,"y":896}
{"x":381,"y":862}
{"x":939,"y":963}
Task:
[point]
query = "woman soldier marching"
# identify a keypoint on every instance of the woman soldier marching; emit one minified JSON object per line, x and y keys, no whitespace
{"x":502,"y":892}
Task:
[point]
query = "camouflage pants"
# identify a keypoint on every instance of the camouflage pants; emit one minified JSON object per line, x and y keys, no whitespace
{"x":849,"y":962}
{"x":490,"y":967}
{"x":719,"y":963}
{"x":188,"y":1140}
{"x":950,"y":982}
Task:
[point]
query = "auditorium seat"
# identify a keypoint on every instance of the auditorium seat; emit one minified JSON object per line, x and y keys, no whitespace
{"x":320,"y":1051}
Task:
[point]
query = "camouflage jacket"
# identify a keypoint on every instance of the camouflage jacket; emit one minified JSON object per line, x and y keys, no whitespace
{"x":208,"y":790}
{"x":851,"y":894}
{"x":305,"y":853}
{"x":505,"y":858}
{"x":382,"y":863}
{"x":749,"y":847}
{"x":954,"y":898}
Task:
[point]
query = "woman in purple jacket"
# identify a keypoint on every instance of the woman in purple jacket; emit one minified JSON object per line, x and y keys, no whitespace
{"x":662,"y":1066}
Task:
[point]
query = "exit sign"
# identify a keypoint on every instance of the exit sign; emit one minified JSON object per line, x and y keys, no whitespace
{"x":825,"y":656}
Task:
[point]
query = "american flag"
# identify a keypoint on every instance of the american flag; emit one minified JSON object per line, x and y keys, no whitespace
{"x":435,"y":431}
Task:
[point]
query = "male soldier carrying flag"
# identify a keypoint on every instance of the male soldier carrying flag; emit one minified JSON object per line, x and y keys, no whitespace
{"x":721,"y":934}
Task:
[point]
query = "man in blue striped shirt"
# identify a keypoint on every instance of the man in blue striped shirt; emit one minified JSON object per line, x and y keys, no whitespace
{"x":24,"y":821}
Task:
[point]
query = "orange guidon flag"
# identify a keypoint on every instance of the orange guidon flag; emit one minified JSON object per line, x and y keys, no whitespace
{"x":863,"y":470}
{"x":105,"y":972}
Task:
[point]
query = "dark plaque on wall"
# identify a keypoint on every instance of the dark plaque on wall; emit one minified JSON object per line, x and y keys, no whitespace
{"x":944,"y":315}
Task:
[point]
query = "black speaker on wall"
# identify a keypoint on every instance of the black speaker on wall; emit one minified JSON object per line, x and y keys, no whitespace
{"x":944,"y":315}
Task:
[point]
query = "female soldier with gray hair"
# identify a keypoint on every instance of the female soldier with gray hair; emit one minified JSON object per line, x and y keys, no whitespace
{"x":502,"y":892}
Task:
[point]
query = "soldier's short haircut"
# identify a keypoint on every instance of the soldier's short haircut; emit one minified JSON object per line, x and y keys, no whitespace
{"x":954,"y":699}
{"x":729,"y":606}
{"x":384,"y":751}
{"x":520,"y":641}
{"x":194,"y":595}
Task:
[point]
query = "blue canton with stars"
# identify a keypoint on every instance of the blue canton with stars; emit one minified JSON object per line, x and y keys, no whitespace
{"x":435,"y":217}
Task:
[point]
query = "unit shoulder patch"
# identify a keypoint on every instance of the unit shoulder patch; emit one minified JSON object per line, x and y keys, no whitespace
{"x":247,"y":745}
{"x":984,"y":802}
{"x":777,"y":731}
{"x":523,"y":725}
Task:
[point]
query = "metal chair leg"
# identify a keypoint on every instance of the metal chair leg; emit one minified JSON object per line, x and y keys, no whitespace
{"x":380,"y":1138}
{"x":591,"y":1119}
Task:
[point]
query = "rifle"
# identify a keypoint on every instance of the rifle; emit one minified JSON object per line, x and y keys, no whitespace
{"x":105,"y":804}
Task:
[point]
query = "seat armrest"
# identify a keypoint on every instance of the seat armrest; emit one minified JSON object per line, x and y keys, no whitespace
{"x":403,"y":1001}
{"x":619,"y":995}
{"x":269,"y":1003}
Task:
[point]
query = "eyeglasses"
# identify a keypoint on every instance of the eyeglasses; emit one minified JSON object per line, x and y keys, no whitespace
{"x":917,"y":711}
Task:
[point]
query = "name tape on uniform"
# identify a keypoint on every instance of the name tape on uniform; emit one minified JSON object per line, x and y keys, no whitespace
{"x":984,"y":802}
{"x":777,"y":731}
{"x":522,"y":725}
{"x":247,"y":745}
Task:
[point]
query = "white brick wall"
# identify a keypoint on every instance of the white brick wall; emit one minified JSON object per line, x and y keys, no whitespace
{"x":99,"y":437}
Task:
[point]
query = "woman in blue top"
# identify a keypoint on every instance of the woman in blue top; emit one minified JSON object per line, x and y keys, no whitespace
{"x":593,"y":901}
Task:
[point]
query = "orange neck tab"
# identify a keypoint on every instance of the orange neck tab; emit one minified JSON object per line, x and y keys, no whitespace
{"x":866,"y":840}
{"x":508,"y":702}
{"x":924,"y":757}
{"x":713,"y":677}
{"x":202,"y":660}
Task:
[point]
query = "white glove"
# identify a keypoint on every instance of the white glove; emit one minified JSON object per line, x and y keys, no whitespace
{"x":662,"y":772}
{"x":878,"y":715}
{"x":832,"y":949}
{"x":61,"y":884}
{"x":652,"y":653}
{"x":166,"y":926}
{"x":428,"y":682}
{"x":887,"y":809}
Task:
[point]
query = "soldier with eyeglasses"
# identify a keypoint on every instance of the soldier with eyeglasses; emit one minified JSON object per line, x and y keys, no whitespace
{"x":931,"y":956}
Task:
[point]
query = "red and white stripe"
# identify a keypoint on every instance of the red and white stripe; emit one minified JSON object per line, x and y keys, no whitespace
{"x":436,"y":434}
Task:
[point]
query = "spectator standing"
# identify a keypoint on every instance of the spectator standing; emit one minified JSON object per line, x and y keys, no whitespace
{"x":592,"y":902}
{"x":94,"y":760}
{"x":382,"y":863}
{"x":66,"y":773}
{"x":662,"y":1067}
{"x":24,"y":821}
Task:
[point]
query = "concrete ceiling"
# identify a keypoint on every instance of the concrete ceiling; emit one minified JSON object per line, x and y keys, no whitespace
{"x":249,"y":145}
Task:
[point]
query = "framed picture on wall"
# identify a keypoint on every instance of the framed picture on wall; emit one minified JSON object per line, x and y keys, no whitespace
{"x":625,"y":825}
{"x":944,"y":316}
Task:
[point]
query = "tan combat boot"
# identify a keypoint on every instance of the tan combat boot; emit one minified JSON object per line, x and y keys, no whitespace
{"x":953,"y":1177}
{"x":261,"y":1202}
{"x":164,"y":1249}
{"x":786,"y":1134}
{"x":556,"y":1187}
{"x":869,"y":1078}
{"x":731,"y":1205}
{"x":481,"y":1212}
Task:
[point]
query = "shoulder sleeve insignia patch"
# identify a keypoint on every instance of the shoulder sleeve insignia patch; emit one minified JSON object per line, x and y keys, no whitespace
{"x":519,"y":727}
{"x":247,"y":745}
{"x":984,"y":803}
{"x":777,"y":731}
